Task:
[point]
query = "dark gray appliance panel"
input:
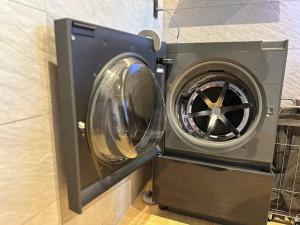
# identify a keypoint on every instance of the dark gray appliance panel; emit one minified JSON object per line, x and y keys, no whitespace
{"x":236,"y":196}
{"x":82,"y":50}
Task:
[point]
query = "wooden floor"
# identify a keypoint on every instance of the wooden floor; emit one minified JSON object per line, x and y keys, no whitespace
{"x":142,"y":214}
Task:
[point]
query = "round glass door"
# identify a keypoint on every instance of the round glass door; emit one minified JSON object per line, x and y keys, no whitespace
{"x":126,"y":112}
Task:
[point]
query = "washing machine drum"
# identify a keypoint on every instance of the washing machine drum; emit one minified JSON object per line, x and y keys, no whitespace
{"x":126,"y":112}
{"x":216,"y":105}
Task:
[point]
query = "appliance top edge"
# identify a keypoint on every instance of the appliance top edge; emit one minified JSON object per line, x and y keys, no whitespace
{"x":88,"y":25}
{"x":228,"y":46}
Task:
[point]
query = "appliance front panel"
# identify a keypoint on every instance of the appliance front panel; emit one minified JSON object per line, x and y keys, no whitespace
{"x":253,"y":72}
{"x":226,"y":195}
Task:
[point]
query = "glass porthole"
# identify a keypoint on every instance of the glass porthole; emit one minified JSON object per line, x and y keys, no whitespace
{"x":126,"y":114}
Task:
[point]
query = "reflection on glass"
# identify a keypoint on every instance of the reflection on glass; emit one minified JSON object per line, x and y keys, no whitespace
{"x":127,"y":111}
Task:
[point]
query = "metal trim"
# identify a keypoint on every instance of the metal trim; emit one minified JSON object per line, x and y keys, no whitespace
{"x":69,"y":143}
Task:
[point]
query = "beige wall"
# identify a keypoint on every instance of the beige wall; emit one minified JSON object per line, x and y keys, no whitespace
{"x":240,"y":20}
{"x":28,"y":109}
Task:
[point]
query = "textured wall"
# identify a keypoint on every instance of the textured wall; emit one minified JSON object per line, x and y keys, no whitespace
{"x":240,"y":20}
{"x":28,"y":171}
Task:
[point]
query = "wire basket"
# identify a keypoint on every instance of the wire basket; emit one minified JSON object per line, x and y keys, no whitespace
{"x":285,"y":198}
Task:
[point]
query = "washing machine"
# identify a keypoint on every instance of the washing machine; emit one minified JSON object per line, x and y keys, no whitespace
{"x":222,"y":104}
{"x":203,"y":111}
{"x":223,"y":101}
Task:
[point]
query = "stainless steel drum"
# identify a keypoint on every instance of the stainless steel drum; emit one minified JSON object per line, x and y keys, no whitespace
{"x":216,"y":104}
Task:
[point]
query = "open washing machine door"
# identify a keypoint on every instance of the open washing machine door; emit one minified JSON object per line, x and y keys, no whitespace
{"x":112,"y":106}
{"x":126,"y":115}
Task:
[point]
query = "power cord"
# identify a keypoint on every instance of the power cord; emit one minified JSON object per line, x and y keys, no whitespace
{"x":174,"y":21}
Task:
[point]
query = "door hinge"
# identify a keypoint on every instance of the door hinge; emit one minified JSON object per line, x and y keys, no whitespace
{"x":81,"y":127}
{"x":164,"y":66}
{"x":165,"y":61}
{"x":160,"y":69}
{"x":270,"y":112}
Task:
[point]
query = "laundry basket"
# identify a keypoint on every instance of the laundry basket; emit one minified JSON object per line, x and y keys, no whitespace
{"x":285,"y":198}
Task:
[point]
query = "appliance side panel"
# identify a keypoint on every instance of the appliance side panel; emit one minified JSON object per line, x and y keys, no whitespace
{"x":226,"y":195}
{"x":161,"y":76}
{"x":68,"y":141}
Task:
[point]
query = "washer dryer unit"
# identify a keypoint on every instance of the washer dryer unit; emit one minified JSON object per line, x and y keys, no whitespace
{"x":222,"y":102}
